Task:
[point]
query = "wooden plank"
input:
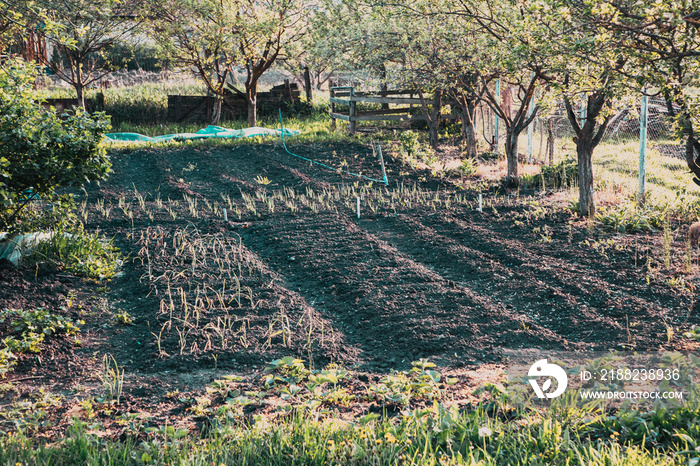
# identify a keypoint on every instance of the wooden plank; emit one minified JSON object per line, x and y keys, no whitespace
{"x":382,"y":100}
{"x":343,"y":117}
{"x":382,"y":117}
{"x":340,"y":116}
{"x":392,"y":100}
{"x":386,"y":111}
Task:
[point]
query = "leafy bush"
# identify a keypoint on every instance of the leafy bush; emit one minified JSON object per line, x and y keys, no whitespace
{"x":33,"y":327}
{"x":559,"y":175}
{"x":41,"y":152}
{"x":628,"y":219}
{"x":467,"y":167}
{"x":38,"y":321}
{"x":7,"y":361}
{"x":421,"y":382}
{"x":412,"y":150}
{"x":136,"y":57}
{"x":80,"y":252}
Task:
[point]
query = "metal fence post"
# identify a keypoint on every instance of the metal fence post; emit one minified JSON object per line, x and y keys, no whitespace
{"x":642,"y":146}
{"x":531,"y":126}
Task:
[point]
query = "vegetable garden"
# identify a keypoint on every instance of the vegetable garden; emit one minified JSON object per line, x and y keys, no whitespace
{"x":346,"y":294}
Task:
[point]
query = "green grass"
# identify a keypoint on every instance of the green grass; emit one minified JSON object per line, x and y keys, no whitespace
{"x":79,"y":252}
{"x":668,"y":186}
{"x":501,"y":429}
{"x":433,"y":436}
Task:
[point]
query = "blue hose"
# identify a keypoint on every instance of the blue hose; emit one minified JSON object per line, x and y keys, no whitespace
{"x":284,"y":144}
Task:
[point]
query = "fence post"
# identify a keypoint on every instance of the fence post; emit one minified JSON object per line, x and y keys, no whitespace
{"x":352,"y":111}
{"x":495,"y":117}
{"x":582,"y":112}
{"x":642,"y":146}
{"x":531,"y":126}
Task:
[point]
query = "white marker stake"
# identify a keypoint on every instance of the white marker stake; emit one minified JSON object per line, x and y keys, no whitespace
{"x":480,"y":209}
{"x":225,"y":216}
{"x":358,"y":208}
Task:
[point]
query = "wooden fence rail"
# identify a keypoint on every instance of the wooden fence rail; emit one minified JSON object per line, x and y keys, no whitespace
{"x":346,"y":95}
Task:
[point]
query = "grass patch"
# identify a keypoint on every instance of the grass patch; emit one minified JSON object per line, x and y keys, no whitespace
{"x":79,"y":252}
{"x":431,"y":436}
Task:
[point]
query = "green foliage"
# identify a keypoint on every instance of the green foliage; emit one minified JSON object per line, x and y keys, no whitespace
{"x":7,"y":361}
{"x":124,"y":55}
{"x":39,"y":321}
{"x":629,"y":219}
{"x":559,"y":175}
{"x":468,"y":167}
{"x":40,"y":152}
{"x":29,"y":343}
{"x":33,"y":327}
{"x":411,"y":149}
{"x":400,"y":388}
{"x":79,"y":252}
{"x":123,"y":318}
{"x":287,"y":370}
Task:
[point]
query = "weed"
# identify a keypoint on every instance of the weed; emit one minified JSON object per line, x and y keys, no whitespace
{"x":468,"y":167}
{"x":122,"y":318}
{"x":7,"y":361}
{"x":263,"y":180}
{"x":561,"y":175}
{"x":112,"y":378}
{"x":628,"y":219}
{"x":79,"y":252}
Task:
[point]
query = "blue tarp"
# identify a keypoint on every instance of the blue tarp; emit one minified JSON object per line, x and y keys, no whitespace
{"x":208,"y":132}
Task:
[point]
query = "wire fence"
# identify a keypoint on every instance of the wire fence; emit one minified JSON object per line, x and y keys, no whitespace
{"x":617,"y":158}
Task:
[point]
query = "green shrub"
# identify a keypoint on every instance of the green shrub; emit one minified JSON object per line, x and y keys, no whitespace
{"x":629,"y":219}
{"x":79,"y":252}
{"x":38,"y":321}
{"x":467,"y":167}
{"x":7,"y":361}
{"x":31,"y":328}
{"x":560,"y":175}
{"x":411,"y":149}
{"x":41,"y":152}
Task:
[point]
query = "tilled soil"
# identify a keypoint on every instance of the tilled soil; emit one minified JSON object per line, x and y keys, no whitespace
{"x":422,"y":273}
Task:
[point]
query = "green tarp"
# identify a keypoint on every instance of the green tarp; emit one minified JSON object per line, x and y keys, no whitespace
{"x":208,"y":132}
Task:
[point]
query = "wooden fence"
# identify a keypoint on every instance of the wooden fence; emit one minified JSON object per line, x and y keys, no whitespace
{"x":234,"y":106}
{"x":346,"y":95}
{"x":62,"y":105}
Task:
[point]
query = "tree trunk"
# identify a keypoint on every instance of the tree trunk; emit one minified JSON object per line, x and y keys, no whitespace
{"x":588,"y":136}
{"x":216,"y":111}
{"x":251,"y":96}
{"x":307,"y":85}
{"x":512,"y":178}
{"x":468,"y":131}
{"x":550,"y":140}
{"x":469,"y":135}
{"x":385,"y":87}
{"x":434,"y":120}
{"x":80,"y":91}
{"x":586,"y":194}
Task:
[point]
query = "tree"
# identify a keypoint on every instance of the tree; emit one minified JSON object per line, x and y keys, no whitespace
{"x":662,"y":41}
{"x":214,"y":36}
{"x":581,"y":65}
{"x":81,"y":31}
{"x":501,"y":51}
{"x":9,"y":21}
{"x":41,"y":153}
